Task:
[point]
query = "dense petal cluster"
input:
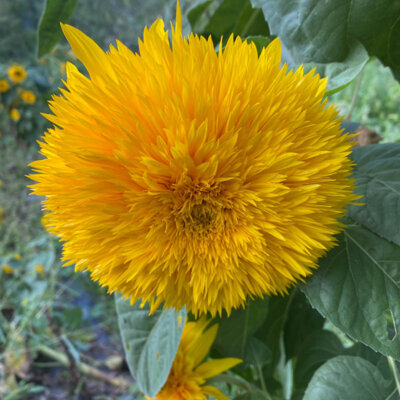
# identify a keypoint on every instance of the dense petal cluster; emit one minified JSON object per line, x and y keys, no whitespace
{"x":191,"y":176}
{"x":188,"y":376}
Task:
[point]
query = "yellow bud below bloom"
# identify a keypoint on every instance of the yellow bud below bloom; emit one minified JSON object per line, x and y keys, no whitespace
{"x":188,"y":375}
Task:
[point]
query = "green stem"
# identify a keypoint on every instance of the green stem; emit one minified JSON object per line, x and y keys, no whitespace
{"x":263,"y":384}
{"x":355,"y":95}
{"x":395,"y":372}
{"x":232,"y":380}
{"x":391,"y":394}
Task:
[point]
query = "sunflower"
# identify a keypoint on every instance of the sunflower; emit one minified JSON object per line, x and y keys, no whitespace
{"x":17,"y":73}
{"x":191,"y":176}
{"x":4,"y":86}
{"x":15,"y":114}
{"x":28,"y":97}
{"x":187,"y":378}
{"x":7,"y":269}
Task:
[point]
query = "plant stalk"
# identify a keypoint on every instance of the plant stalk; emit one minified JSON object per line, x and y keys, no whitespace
{"x":82,"y":367}
{"x":395,"y":372}
{"x":355,"y":95}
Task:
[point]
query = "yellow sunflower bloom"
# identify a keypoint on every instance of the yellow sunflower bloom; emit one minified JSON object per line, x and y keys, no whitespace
{"x":17,"y":73}
{"x":4,"y":86}
{"x":196,"y":177}
{"x":188,"y":376}
{"x":17,"y":256}
{"x":28,"y":97}
{"x":7,"y":269}
{"x":15,"y":114}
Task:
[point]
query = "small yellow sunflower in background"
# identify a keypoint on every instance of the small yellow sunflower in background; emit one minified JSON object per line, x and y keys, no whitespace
{"x":188,"y":376}
{"x":17,"y":256}
{"x":7,"y":269}
{"x":2,"y":211}
{"x":1,"y":183}
{"x":28,"y":96}
{"x":17,"y":73}
{"x":15,"y":114}
{"x":4,"y":86}
{"x":191,"y":176}
{"x":39,"y":269}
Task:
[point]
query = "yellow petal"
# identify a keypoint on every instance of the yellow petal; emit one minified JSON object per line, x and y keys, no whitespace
{"x":215,"y":367}
{"x":178,"y":19}
{"x":202,"y":345}
{"x":213,"y":391}
{"x":87,"y":51}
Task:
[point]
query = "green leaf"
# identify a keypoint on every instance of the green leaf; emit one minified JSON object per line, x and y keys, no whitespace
{"x":328,"y":32}
{"x":317,"y":349}
{"x":236,"y":330}
{"x":257,"y":353}
{"x":198,"y":16}
{"x":271,"y":331}
{"x":341,"y":73}
{"x":348,"y":378}
{"x":150,"y":342}
{"x":394,"y":48}
{"x":377,"y":359}
{"x":259,"y":41}
{"x":253,"y":395}
{"x":302,"y":321}
{"x":378,"y":180}
{"x":222,"y":18}
{"x":49,"y":33}
{"x":251,"y":22}
{"x":357,"y":287}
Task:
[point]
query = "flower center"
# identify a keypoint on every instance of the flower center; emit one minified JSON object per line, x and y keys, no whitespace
{"x":199,"y":219}
{"x":197,"y":208}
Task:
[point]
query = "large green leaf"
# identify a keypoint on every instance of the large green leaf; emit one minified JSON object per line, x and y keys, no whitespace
{"x":236,"y":330}
{"x":348,"y":378}
{"x":357,"y":287}
{"x":341,"y":73}
{"x":150,"y":342}
{"x":327,"y":32}
{"x":317,"y":348}
{"x":378,"y":180}
{"x":259,"y":41}
{"x":49,"y":33}
{"x":221,"y":18}
{"x":377,"y":359}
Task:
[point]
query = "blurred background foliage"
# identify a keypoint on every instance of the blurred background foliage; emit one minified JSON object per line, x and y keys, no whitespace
{"x":41,"y":306}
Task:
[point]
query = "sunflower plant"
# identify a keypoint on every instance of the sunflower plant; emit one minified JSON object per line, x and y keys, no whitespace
{"x":252,"y":245}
